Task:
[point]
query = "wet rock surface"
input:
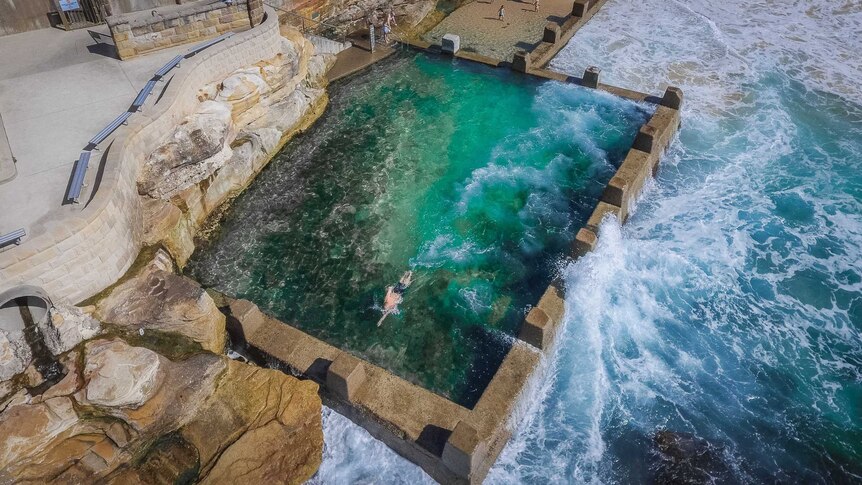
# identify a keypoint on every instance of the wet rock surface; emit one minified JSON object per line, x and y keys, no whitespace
{"x":686,"y":458}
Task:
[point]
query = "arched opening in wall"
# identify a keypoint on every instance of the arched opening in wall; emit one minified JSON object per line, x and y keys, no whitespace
{"x":17,"y":313}
{"x":23,"y":311}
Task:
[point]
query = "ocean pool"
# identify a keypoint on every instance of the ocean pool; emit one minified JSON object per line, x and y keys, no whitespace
{"x":475,"y":178}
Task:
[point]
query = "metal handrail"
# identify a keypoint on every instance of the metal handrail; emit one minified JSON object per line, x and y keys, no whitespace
{"x":311,"y":26}
{"x":78,"y":174}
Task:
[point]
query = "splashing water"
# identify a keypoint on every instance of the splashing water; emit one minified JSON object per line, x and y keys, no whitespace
{"x":728,"y":311}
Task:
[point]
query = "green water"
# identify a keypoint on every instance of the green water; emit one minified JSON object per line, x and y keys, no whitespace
{"x":476,"y":179}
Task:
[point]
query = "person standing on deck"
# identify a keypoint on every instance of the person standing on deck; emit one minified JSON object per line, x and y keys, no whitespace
{"x":501,"y":13}
{"x":535,"y":5}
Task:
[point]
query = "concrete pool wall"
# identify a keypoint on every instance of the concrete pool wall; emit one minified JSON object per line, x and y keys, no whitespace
{"x":452,"y":443}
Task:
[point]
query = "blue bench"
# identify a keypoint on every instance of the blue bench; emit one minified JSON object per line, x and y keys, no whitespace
{"x":209,"y":43}
{"x":12,"y":237}
{"x":100,"y":137}
{"x":167,"y":67}
{"x":142,"y":96}
{"x":78,"y":177}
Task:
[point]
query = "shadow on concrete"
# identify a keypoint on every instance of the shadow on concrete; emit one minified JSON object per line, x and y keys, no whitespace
{"x":99,"y":37}
{"x":99,"y":174}
{"x":164,"y":89}
{"x":556,"y":19}
{"x":433,"y":438}
{"x":527,"y":46}
{"x":103,"y":49}
{"x":317,"y":370}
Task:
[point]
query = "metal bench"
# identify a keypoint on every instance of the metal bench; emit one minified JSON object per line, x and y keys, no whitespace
{"x":142,"y":96}
{"x":12,"y":237}
{"x":106,"y":131}
{"x":170,"y":65}
{"x":78,"y":177}
{"x":208,"y":43}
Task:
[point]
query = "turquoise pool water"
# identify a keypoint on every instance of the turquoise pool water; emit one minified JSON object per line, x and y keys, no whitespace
{"x":476,"y":179}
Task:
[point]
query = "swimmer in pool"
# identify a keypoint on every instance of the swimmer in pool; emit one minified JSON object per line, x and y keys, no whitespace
{"x":394,"y":295}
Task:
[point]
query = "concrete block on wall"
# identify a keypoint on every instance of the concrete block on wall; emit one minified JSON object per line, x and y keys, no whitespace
{"x":537,"y":329}
{"x":672,"y":97}
{"x":552,"y":33}
{"x":463,"y":450}
{"x":451,"y":44}
{"x":345,"y":376}
{"x":585,"y":241}
{"x":591,"y":77}
{"x":521,"y":61}
{"x":580,"y":8}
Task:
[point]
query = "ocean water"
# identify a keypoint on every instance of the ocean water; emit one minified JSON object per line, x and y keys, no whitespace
{"x":475,"y":179}
{"x":728,"y":312}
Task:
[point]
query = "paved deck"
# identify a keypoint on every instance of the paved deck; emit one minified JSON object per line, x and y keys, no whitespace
{"x":7,"y":160}
{"x":356,"y":58}
{"x":481,"y":32}
{"x":57,"y":90}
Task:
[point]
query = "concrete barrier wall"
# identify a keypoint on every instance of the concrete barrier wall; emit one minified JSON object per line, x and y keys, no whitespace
{"x":142,"y":32}
{"x":541,"y":324}
{"x":78,"y":250}
{"x":23,"y":15}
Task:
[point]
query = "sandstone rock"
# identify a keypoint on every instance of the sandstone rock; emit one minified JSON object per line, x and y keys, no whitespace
{"x":280,"y":440}
{"x":27,"y":429}
{"x":160,"y":218}
{"x":32,"y":376}
{"x":67,"y":327}
{"x":118,"y":375}
{"x":147,"y":419}
{"x":15,"y":354}
{"x":161,"y":300}
{"x":197,"y":148}
{"x":286,"y":114}
{"x":242,"y":90}
{"x":318,"y":65}
{"x":408,"y":12}
{"x":181,"y":240}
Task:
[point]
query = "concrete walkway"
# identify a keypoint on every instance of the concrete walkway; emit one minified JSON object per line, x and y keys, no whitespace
{"x":7,"y":160}
{"x":354,"y":59}
{"x":57,"y":90}
{"x":481,"y":32}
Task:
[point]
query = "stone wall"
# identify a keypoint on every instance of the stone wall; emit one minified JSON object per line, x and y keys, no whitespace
{"x":142,"y":32}
{"x":23,"y":15}
{"x":77,"y":251}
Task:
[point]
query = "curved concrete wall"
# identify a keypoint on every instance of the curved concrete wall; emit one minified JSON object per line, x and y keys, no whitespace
{"x":78,"y":250}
